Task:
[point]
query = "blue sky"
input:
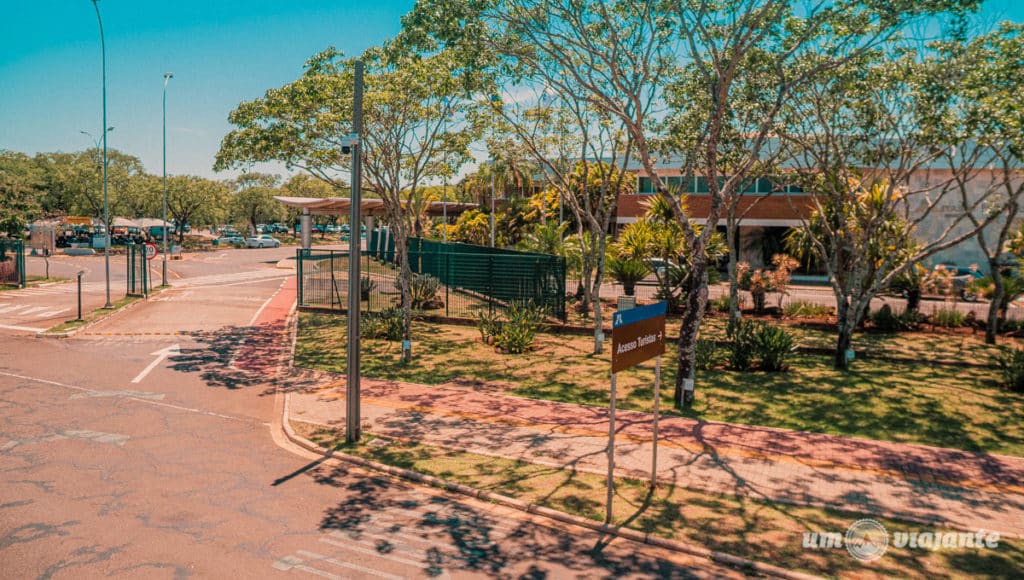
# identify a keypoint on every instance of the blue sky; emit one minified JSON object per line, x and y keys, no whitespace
{"x":221,"y":52}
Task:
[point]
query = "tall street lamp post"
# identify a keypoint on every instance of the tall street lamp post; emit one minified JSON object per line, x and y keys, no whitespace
{"x":106,"y":199}
{"x":167,"y":77}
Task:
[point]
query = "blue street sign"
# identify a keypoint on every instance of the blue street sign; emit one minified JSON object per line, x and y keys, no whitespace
{"x":624,"y":317}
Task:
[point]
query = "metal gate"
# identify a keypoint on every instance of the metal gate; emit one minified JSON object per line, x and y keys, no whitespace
{"x":12,"y":263}
{"x":138,"y":271}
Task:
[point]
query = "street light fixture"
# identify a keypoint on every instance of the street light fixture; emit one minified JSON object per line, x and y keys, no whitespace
{"x":106,"y":199}
{"x":167,"y":77}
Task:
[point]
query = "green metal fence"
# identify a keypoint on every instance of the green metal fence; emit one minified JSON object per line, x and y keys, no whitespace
{"x":471,"y":281}
{"x":12,"y":262}
{"x":138,"y":271}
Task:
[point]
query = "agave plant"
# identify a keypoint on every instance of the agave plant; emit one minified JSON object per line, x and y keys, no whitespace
{"x":627,"y":271}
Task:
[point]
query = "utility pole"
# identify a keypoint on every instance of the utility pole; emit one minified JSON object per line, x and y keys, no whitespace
{"x":106,"y":199}
{"x":352,"y":410}
{"x":167,"y":77}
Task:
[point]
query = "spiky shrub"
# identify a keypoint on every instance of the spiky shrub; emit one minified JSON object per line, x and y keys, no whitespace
{"x":627,"y":271}
{"x":489,"y":325}
{"x":720,"y":304}
{"x":385,"y":324}
{"x":517,"y":333}
{"x":948,"y":318}
{"x":803,"y":308}
{"x":705,"y":354}
{"x":1010,"y":362}
{"x":741,"y":350}
{"x":773,"y":345}
{"x":423,"y":289}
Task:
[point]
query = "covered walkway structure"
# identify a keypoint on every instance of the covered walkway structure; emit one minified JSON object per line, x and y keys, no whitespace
{"x":369,"y":208}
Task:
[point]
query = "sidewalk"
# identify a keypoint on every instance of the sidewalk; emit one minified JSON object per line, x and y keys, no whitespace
{"x":967,"y":491}
{"x":963,"y":490}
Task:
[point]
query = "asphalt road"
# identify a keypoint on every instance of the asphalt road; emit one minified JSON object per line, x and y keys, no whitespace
{"x":138,"y":449}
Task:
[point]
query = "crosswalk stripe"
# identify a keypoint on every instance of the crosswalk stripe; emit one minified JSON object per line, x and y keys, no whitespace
{"x":356,"y":567}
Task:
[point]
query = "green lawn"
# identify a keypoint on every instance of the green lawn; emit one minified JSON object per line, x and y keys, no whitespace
{"x":914,"y":402}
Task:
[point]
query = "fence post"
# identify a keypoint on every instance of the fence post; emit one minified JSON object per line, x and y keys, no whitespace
{"x":447,"y":277}
{"x":298,"y":273}
{"x":20,"y":264}
{"x":490,"y":283}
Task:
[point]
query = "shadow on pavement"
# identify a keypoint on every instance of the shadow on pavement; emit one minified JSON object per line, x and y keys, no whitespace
{"x":456,"y":537}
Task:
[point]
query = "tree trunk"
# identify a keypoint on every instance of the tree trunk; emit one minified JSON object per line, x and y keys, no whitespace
{"x":405,"y":274}
{"x":845,"y":324}
{"x":913,"y":300}
{"x":734,"y":281}
{"x":696,"y":302}
{"x":992,"y":325}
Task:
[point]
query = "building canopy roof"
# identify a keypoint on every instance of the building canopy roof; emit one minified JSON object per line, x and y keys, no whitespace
{"x":368,"y":207}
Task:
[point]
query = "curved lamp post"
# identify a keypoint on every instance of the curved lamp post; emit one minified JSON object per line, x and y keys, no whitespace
{"x":163,"y":228}
{"x":106,"y":199}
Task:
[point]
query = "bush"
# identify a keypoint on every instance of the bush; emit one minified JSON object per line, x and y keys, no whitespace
{"x":802,"y":308}
{"x":489,"y":325}
{"x":519,"y":330}
{"x":705,"y":354}
{"x":773,"y":345}
{"x":385,"y":324}
{"x":423,"y":290}
{"x":721,"y":304}
{"x":741,"y":349}
{"x":1011,"y":368}
{"x":948,"y":318}
{"x":767,"y":345}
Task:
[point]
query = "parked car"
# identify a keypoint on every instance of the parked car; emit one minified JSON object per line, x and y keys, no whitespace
{"x":962,"y":278}
{"x":263,"y":241}
{"x":332,"y":229}
{"x":229,"y":239}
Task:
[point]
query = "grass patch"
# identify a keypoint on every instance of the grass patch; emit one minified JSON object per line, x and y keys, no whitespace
{"x":911,"y":402}
{"x":88,"y":317}
{"x":767,"y":532}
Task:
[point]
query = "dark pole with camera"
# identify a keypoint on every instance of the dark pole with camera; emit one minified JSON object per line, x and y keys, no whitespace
{"x":352,"y":415}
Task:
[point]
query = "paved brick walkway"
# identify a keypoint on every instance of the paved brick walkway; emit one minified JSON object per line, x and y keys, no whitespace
{"x":960,"y":489}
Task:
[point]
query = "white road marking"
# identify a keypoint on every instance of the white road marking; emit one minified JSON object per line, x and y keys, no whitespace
{"x":23,"y":328}
{"x":356,"y":567}
{"x":96,"y":436}
{"x":133,"y":394}
{"x":149,"y":400}
{"x":160,"y":356}
{"x":7,"y":309}
{"x":49,"y":313}
{"x":288,"y":562}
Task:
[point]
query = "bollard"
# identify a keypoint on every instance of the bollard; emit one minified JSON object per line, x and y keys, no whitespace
{"x":80,"y":294}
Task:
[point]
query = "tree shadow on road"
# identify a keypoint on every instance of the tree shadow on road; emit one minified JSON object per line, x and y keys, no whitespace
{"x":448,"y":535}
{"x":241,"y":357}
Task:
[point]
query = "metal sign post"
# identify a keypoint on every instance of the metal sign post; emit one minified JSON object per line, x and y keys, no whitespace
{"x":638,"y":334}
{"x":352,"y":410}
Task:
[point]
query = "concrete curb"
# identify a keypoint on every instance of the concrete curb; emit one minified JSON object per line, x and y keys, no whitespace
{"x":108,"y":316}
{"x":722,"y":558}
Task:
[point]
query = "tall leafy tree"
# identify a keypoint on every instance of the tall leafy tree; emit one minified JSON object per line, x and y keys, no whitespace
{"x":406,"y":103}
{"x":253,"y":201}
{"x":193,"y":200}
{"x":973,"y":106}
{"x":21,"y":183}
{"x":624,"y":56}
{"x":858,"y":141}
